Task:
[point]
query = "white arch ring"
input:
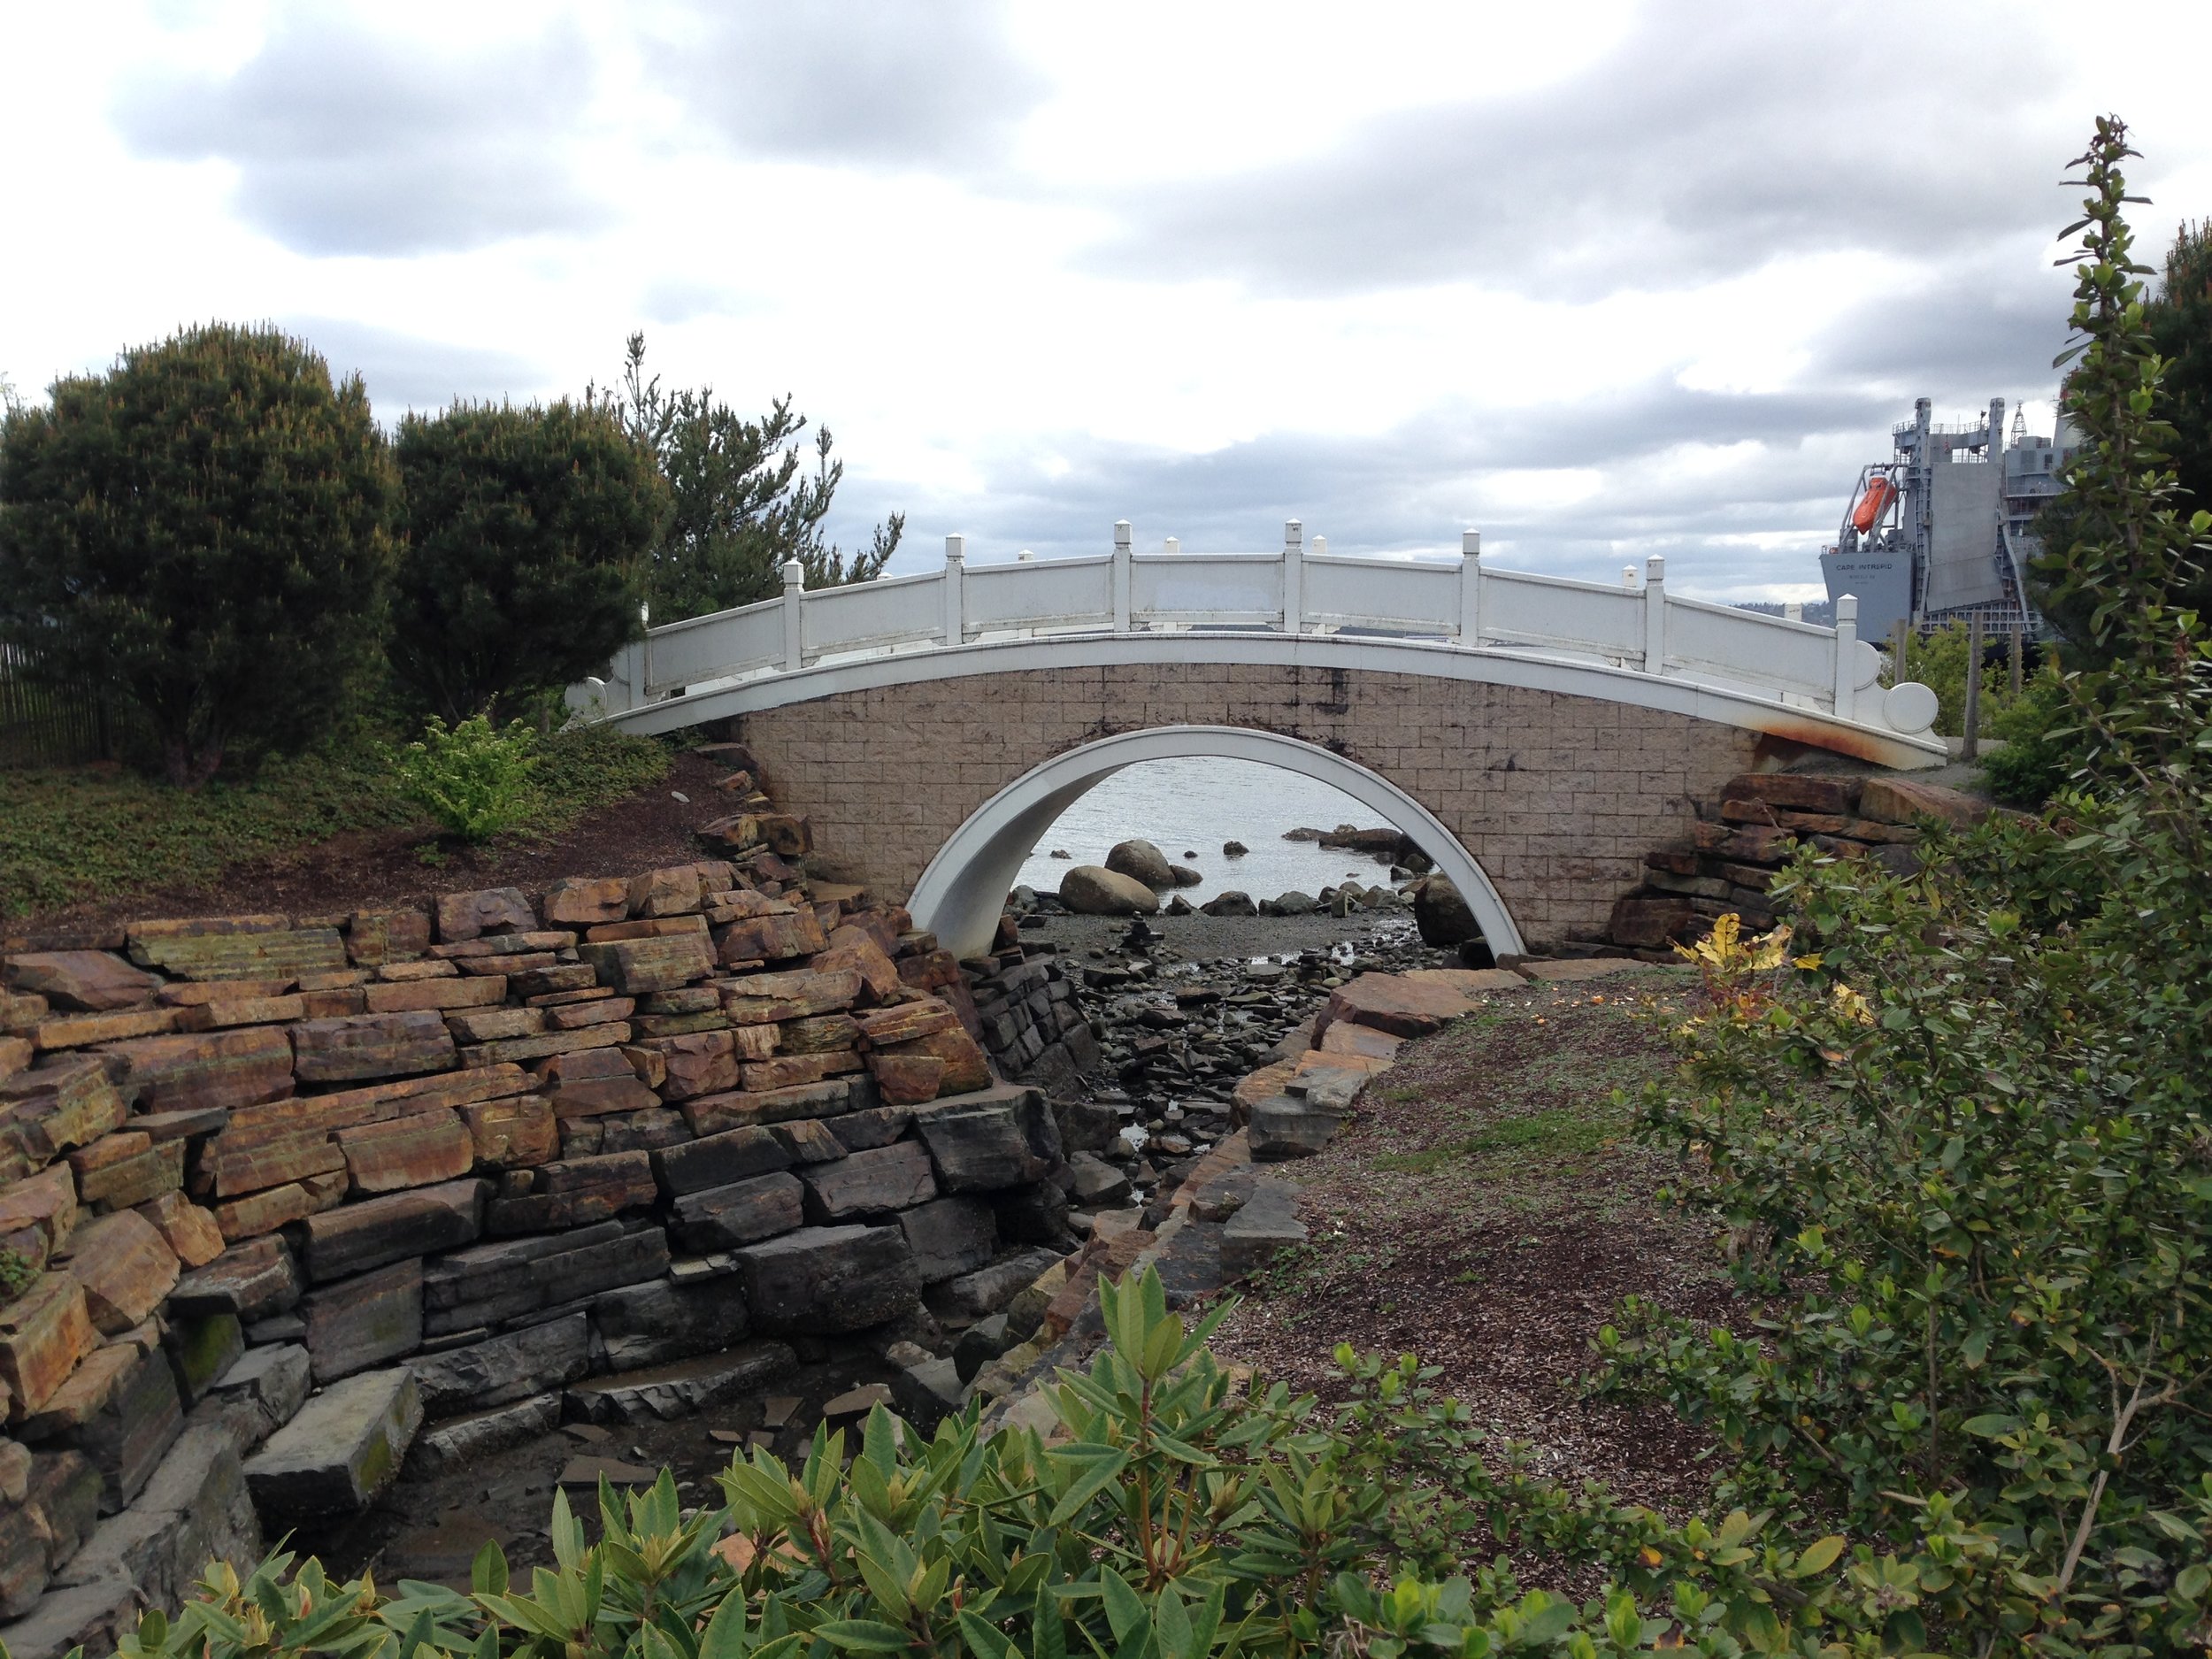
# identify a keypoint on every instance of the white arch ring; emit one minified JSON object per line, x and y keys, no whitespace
{"x":962,"y":893}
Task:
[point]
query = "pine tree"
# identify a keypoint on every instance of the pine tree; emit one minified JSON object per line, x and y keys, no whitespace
{"x":524,"y":564}
{"x":742,"y":503}
{"x":203,"y":531}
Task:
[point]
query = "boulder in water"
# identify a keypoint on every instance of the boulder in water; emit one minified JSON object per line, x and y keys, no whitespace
{"x":1184,"y":876}
{"x":1143,"y":862}
{"x":1233,"y":850}
{"x":1090,"y":890}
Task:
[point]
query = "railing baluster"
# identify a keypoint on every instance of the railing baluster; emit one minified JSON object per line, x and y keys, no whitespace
{"x":955,"y":630}
{"x":1655,"y":615}
{"x":794,"y":619}
{"x":1121,"y":575}
{"x":1846,"y":657}
{"x":1293,"y":577}
{"x":1471,"y":588}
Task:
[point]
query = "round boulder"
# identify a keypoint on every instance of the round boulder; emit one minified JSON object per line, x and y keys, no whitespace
{"x":1441,"y":915}
{"x":1142,"y":861}
{"x":1231,"y":904}
{"x":1293,"y":903}
{"x":1184,"y":876}
{"x":1089,"y":890}
{"x":1233,"y":850}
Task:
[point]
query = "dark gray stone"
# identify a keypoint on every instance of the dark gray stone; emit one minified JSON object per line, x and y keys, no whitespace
{"x":950,"y":1236}
{"x":667,"y":1392}
{"x":461,"y":1440}
{"x":654,"y":1324}
{"x":273,"y":1381}
{"x":987,"y":1289}
{"x":879,"y":1126}
{"x":1265,"y":1223}
{"x":735,"y":1154}
{"x":537,"y":1359}
{"x":874,"y":1183}
{"x":358,"y":1323}
{"x":993,"y":1139}
{"x":344,"y":1448}
{"x":1283,"y":1128}
{"x":723,"y":1217}
{"x":491,"y":1283}
{"x":827,"y":1280}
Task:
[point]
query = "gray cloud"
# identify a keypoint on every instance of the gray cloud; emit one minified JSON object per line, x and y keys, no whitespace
{"x":1711,"y":141}
{"x":347,"y":141}
{"x":879,"y":83}
{"x":404,"y":372}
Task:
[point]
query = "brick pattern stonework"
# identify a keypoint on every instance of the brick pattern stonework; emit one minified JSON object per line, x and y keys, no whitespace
{"x":1557,"y":797}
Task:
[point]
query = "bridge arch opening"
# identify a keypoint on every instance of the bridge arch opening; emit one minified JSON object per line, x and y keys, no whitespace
{"x":963,"y":891}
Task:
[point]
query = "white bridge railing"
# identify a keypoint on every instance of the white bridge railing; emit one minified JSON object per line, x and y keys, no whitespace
{"x":1463,"y":602}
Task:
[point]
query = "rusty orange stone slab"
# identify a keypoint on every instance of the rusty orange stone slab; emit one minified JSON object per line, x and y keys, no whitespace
{"x":45,"y":1203}
{"x":82,"y":981}
{"x":233,"y":1166}
{"x":907,"y":1079}
{"x":1345,"y":1038}
{"x":635,"y":966}
{"x":773,"y":938}
{"x":818,"y":1034}
{"x":244,"y":1010}
{"x":82,"y":1031}
{"x":374,"y":938}
{"x":885,"y":1026}
{"x":966,"y":1066}
{"x":371,"y":1046}
{"x":186,"y":1228}
{"x":587,"y":900}
{"x":235,"y":947}
{"x":1396,"y":1004}
{"x":879,"y":975}
{"x":192,"y":993}
{"x":413,"y":996}
{"x":377,"y":1103}
{"x":126,"y":1267}
{"x":134,"y":1177}
{"x":218,"y":1068}
{"x":517,"y":1134}
{"x":419,"y":1151}
{"x":464,"y":916}
{"x":43,"y":1333}
{"x":759,"y":1076}
{"x":61,"y":1104}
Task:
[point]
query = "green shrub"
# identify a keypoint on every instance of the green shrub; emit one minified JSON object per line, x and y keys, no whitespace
{"x":1175,"y":1513}
{"x":2043,"y":744}
{"x":205,"y":531}
{"x":523,"y":569}
{"x":475,"y":778}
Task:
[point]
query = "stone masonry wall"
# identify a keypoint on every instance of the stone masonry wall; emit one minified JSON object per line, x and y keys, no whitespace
{"x":1557,"y":797}
{"x":278,"y":1188}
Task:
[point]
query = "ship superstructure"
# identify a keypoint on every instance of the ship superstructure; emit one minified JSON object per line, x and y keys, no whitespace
{"x":1946,"y":527}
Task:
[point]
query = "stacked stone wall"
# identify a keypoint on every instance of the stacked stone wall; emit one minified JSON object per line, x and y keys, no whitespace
{"x":276,"y":1189}
{"x":1557,"y":797}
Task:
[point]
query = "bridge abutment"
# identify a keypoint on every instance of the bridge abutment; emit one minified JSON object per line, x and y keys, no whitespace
{"x":1555,"y":796}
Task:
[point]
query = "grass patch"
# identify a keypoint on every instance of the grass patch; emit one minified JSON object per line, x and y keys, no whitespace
{"x":1556,"y":1135}
{"x":88,"y":834}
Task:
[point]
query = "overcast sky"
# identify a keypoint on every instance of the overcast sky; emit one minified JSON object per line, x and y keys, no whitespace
{"x":1605,"y":279}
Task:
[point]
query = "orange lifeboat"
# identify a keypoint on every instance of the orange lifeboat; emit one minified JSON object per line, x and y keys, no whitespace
{"x":1879,"y":493}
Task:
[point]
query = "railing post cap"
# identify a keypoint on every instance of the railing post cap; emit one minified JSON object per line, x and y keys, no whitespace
{"x":1470,"y":543}
{"x":1655,"y":568}
{"x":955,"y":548}
{"x":794,"y":574}
{"x":1847,"y":608}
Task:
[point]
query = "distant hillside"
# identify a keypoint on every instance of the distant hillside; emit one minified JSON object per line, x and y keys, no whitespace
{"x":1820,"y":610}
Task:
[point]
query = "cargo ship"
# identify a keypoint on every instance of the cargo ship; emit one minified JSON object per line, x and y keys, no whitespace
{"x":1945,"y":529}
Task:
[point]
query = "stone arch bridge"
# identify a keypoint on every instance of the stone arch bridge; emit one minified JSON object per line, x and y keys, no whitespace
{"x":1534,"y":736}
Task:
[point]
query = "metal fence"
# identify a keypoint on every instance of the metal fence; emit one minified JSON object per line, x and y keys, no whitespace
{"x":45,"y":723}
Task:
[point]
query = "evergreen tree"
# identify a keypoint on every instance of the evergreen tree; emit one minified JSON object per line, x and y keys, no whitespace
{"x":2174,"y":324}
{"x":204,"y":531}
{"x":524,"y":564}
{"x":742,"y":503}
